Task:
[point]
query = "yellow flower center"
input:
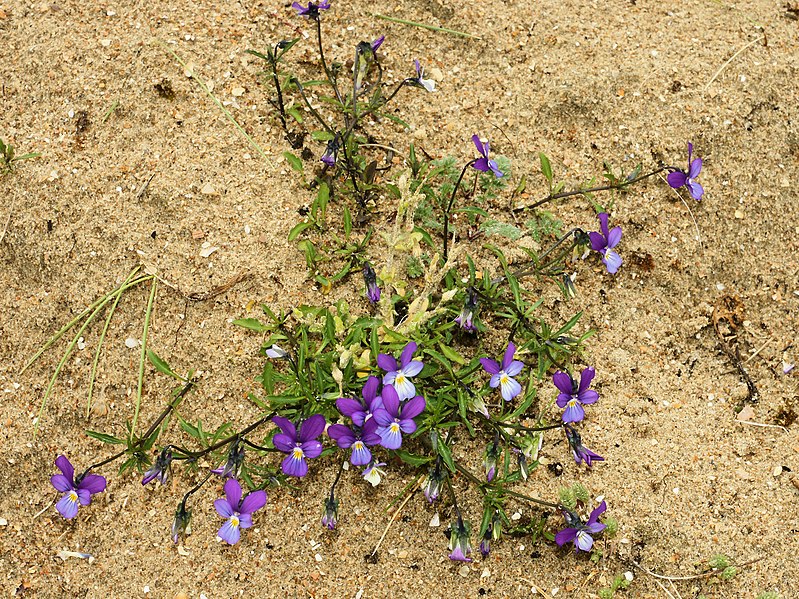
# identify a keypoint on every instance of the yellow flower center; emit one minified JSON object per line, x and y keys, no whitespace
{"x":394,"y":427}
{"x":400,"y":379}
{"x":297,"y":453}
{"x":234,"y":521}
{"x":358,"y":445}
{"x":73,"y":496}
{"x":503,"y":379}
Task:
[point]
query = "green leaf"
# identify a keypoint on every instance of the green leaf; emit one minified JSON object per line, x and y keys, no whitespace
{"x":320,"y":203}
{"x":495,"y":227}
{"x":546,"y":167}
{"x":347,"y":222}
{"x":295,"y":112}
{"x":299,"y":228}
{"x":321,"y":135}
{"x":451,"y":353}
{"x":253,"y":324}
{"x":446,"y":456}
{"x":413,"y":460}
{"x":160,"y":364}
{"x":294,"y":161}
{"x":105,"y":438}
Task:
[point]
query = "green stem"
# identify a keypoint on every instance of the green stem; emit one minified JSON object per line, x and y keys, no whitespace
{"x":143,"y":357}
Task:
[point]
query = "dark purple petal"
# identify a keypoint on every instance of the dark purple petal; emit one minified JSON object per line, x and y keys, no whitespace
{"x":377,"y":43}
{"x":61,"y":483}
{"x":371,"y":438}
{"x":387,"y":363}
{"x":508,"y":357}
{"x":65,"y":466}
{"x":482,"y":148}
{"x":481,"y":164}
{"x":413,"y":407}
{"x":312,"y":428}
{"x":253,"y":502}
{"x":284,"y":443}
{"x":563,"y":382}
{"x":84,"y":497}
{"x":407,"y":354}
{"x":407,"y":426}
{"x":563,"y":399}
{"x":223,"y":508}
{"x":677,"y":179}
{"x":586,"y":376}
{"x":603,"y":223}
{"x":93,"y":483}
{"x":690,"y":151}
{"x":285,"y":425}
{"x":348,"y":407}
{"x":490,"y":366}
{"x":369,"y":391}
{"x":342,"y":435}
{"x":588,"y":397}
{"x":390,"y":400}
{"x":382,"y":417}
{"x":294,"y":466}
{"x":597,"y":512}
{"x":232,"y":490}
{"x":311,"y":449}
{"x":598,"y":241}
{"x":567,"y":535}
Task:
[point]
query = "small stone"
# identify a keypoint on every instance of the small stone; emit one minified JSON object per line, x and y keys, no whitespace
{"x":318,"y":557}
{"x":238,"y":92}
{"x":486,"y":573}
{"x":747,"y":413}
{"x":402,"y":554}
{"x":208,"y":190}
{"x":777,"y":470}
{"x":181,"y":595}
{"x":3,"y":522}
{"x":131,"y":343}
{"x":105,"y":43}
{"x":463,"y":571}
{"x":206,"y":252}
{"x":739,"y":214}
{"x":197,"y":234}
{"x":435,"y":521}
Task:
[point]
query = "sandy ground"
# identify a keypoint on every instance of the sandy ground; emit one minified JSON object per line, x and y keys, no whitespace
{"x":583,"y":82}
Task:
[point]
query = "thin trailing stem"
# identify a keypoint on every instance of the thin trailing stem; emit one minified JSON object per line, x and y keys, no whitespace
{"x":143,"y":357}
{"x":451,"y":203}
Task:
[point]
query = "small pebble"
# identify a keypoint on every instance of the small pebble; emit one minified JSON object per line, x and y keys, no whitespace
{"x":131,"y":342}
{"x":464,"y":571}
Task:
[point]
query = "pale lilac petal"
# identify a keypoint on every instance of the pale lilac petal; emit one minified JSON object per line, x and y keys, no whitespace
{"x":677,"y":179}
{"x":495,"y":380}
{"x":312,"y":428}
{"x":93,"y":483}
{"x":414,"y":407}
{"x":253,"y":502}
{"x":65,"y":466}
{"x":391,"y":439}
{"x":696,"y":190}
{"x":695,"y":168}
{"x":404,"y":387}
{"x":413,"y":368}
{"x":245,"y":520}
{"x":229,"y":533}
{"x":574,"y":412}
{"x":614,"y":237}
{"x":67,"y":507}
{"x":311,"y":449}
{"x":232,"y":490}
{"x":514,"y":368}
{"x":361,"y":456}
{"x":407,"y":354}
{"x":223,"y":508}
{"x":612,"y":261}
{"x":387,"y":363}
{"x":84,"y":497}
{"x":61,"y":483}
{"x":566,"y":535}
{"x":583,"y":541}
{"x":490,"y":366}
{"x":407,"y":426}
{"x":458,"y":556}
{"x":596,"y":527}
{"x":563,"y":382}
{"x":294,"y":466}
{"x":510,"y":389}
{"x":285,"y":425}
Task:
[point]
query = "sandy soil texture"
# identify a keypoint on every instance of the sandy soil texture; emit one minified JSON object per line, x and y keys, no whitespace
{"x":139,"y":165}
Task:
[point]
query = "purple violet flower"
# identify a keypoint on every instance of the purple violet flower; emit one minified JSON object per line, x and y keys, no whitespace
{"x":370,"y":279}
{"x":419,"y":80}
{"x":394,"y":419}
{"x":483,"y":164}
{"x":75,"y":492}
{"x":400,"y":374}
{"x":490,"y":457}
{"x":159,"y":470}
{"x":579,"y":533}
{"x":579,"y":451}
{"x":574,"y":397}
{"x":238,"y":511}
{"x":331,"y":151}
{"x":459,"y":542}
{"x":680,"y":178}
{"x":468,"y":312}
{"x":312,"y":10}
{"x":433,"y":483}
{"x":299,"y":447}
{"x":502,"y":374}
{"x":357,"y":438}
{"x":360,"y":411}
{"x":604,"y":242}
